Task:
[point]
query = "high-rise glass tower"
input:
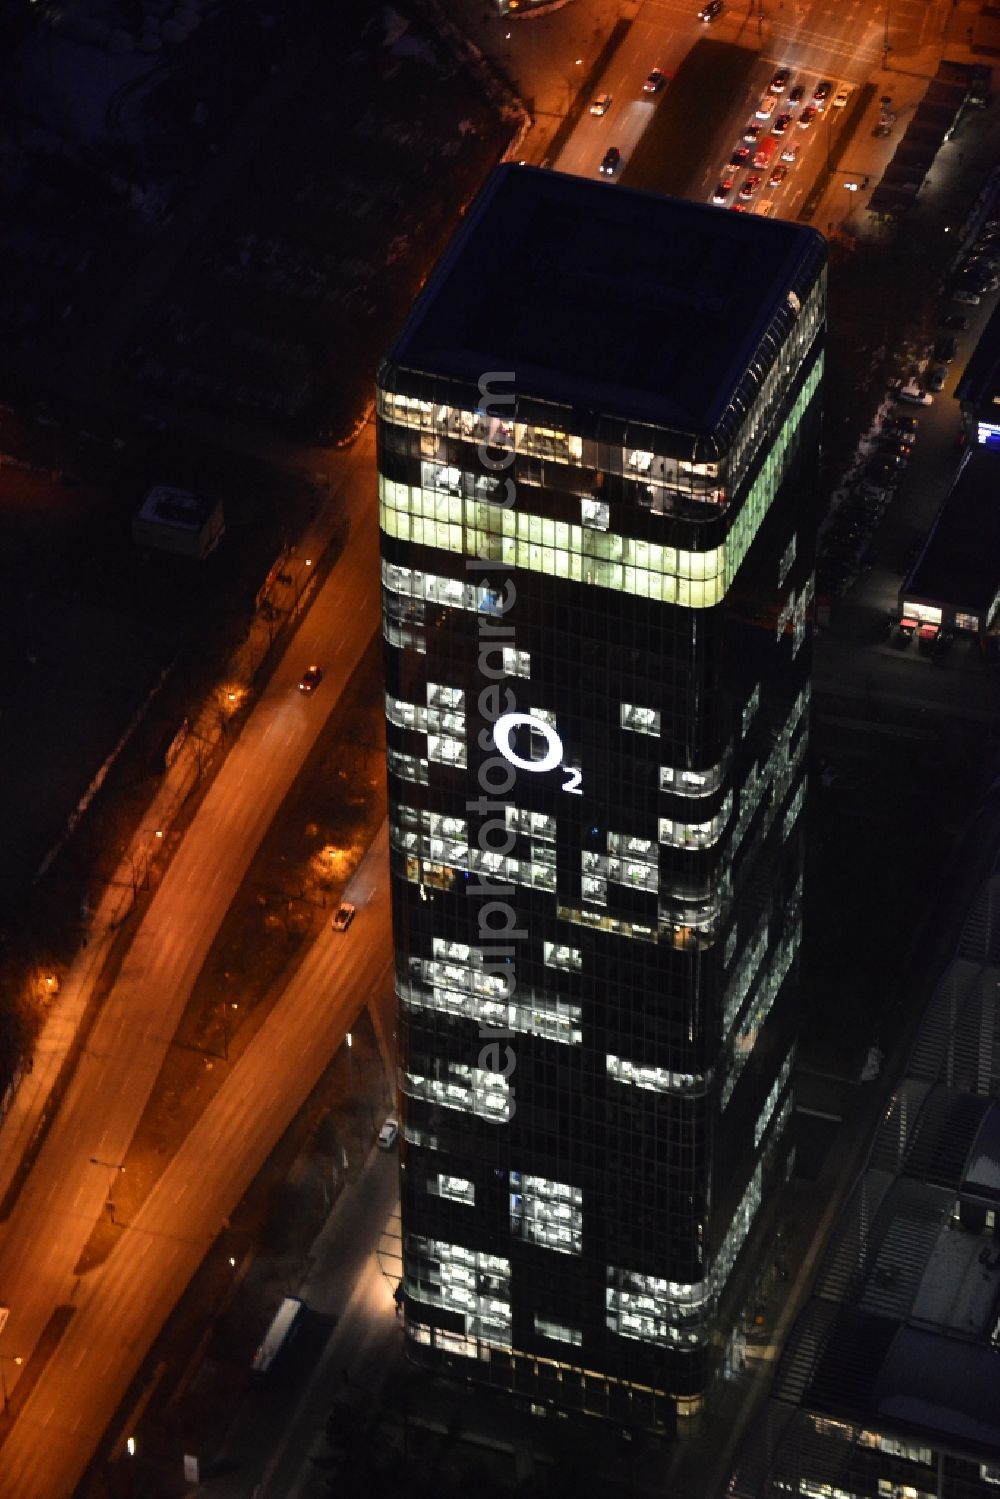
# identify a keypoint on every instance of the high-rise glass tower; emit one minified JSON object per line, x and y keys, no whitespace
{"x":598,"y":435}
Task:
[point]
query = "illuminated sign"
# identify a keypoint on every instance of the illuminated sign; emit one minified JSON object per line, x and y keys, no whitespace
{"x":553,"y":757}
{"x":989,"y":434}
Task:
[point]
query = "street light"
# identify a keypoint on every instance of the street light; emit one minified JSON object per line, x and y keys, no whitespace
{"x":886,"y":49}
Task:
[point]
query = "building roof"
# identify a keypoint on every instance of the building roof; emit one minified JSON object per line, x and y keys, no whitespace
{"x":899,"y":1328}
{"x":613,"y":300}
{"x":181,"y":509}
{"x":960,"y":563}
{"x":979,"y":386}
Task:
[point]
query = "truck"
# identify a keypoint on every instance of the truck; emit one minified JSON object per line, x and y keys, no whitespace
{"x":764,"y":153}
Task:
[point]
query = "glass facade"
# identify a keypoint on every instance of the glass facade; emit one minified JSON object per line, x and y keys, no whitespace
{"x":597,"y":661}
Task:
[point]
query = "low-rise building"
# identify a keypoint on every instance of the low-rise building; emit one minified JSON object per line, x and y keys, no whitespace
{"x":177,"y":520}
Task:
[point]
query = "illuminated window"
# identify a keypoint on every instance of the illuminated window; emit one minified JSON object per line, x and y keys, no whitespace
{"x":408,"y":767}
{"x":653,"y":1079}
{"x":455,"y":1188}
{"x":471,"y":1090}
{"x":558,"y":1331}
{"x":445,"y":697}
{"x":695,"y":834}
{"x":753,"y":703}
{"x":771,"y":1101}
{"x":555,"y":955}
{"x":469,"y":1282}
{"x":537,"y":824}
{"x":516,"y":663}
{"x":548,"y":1213}
{"x":652,"y":1310}
{"x":640,"y":720}
{"x":595,"y":513}
{"x":690,"y":782}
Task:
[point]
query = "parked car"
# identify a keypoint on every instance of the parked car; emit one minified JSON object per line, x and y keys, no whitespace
{"x":911,"y":391}
{"x":955,"y":320}
{"x":388,"y":1134}
{"x":936,"y":377}
{"x":945,"y":349}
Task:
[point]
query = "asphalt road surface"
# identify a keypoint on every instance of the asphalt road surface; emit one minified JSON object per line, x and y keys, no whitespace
{"x":65,"y":1193}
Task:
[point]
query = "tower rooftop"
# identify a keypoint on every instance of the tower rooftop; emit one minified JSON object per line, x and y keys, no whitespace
{"x":606,"y":298}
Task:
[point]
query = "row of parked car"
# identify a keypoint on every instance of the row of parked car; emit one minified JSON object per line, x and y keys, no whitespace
{"x":978,"y":271}
{"x":859,"y":505}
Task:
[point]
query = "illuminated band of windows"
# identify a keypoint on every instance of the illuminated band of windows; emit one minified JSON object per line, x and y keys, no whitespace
{"x":776,"y":775}
{"x":457,"y":981}
{"x":651,"y":1310}
{"x":630,"y":861}
{"x":444,"y":726}
{"x":745,"y":974}
{"x":441,"y":516}
{"x":470,"y":1282}
{"x":746,"y":1036}
{"x":794,"y":808}
{"x":771,"y":1101}
{"x":558,"y":1332}
{"x":518,"y":538}
{"x":737,"y":1231}
{"x":696,"y":834}
{"x":654,"y":1079}
{"x":657,"y":1311}
{"x":692,"y":783}
{"x":472,"y":1090}
{"x":546,"y":1212}
{"x":438,"y":422}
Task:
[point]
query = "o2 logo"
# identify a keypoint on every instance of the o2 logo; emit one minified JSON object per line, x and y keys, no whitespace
{"x":503,"y":731}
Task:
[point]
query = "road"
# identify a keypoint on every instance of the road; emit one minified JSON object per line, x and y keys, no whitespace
{"x":65,"y":1193}
{"x":351,"y":1283}
{"x":839,"y":40}
{"x":120,"y":1306}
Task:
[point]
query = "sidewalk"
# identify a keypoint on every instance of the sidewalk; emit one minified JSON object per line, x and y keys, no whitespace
{"x":64,"y":1033}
